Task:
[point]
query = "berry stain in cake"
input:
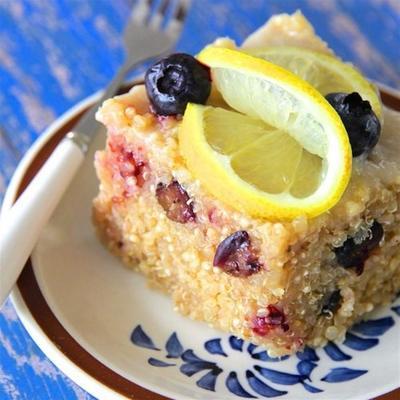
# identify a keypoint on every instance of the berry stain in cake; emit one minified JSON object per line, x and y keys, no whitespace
{"x":213,"y":216}
{"x":274,"y":318}
{"x":127,"y":165}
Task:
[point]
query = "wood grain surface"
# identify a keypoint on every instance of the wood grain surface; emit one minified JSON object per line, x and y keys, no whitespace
{"x":54,"y":53}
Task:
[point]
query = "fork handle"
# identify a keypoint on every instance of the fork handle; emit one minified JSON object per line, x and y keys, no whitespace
{"x":21,"y":225}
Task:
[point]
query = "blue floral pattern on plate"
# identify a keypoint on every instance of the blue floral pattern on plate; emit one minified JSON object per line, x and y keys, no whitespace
{"x":266,"y":376}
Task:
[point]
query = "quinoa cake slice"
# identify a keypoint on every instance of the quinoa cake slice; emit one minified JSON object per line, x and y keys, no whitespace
{"x":277,"y":284}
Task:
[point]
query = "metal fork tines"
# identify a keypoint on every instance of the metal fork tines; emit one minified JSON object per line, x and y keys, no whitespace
{"x":154,"y":28}
{"x":142,"y":12}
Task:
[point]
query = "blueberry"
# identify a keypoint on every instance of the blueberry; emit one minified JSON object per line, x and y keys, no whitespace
{"x":175,"y":201}
{"x":332,"y":304}
{"x":236,"y":256}
{"x":360,"y":121}
{"x":176,"y":80}
{"x":354,"y":254}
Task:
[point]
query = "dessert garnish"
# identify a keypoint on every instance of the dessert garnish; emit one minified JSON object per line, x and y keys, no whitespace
{"x":361,"y":123}
{"x":176,"y":80}
{"x":281,"y":151}
{"x":325,"y":72}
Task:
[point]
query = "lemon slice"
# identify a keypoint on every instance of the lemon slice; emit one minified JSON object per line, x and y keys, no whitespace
{"x":325,"y":72}
{"x":280,"y":153}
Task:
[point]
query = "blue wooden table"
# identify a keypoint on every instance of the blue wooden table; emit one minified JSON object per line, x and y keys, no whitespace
{"x":54,"y":53}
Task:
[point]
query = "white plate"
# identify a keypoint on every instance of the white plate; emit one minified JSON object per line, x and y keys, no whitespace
{"x":102,"y":326}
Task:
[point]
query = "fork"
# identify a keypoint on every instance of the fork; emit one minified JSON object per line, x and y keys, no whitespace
{"x":145,"y":38}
